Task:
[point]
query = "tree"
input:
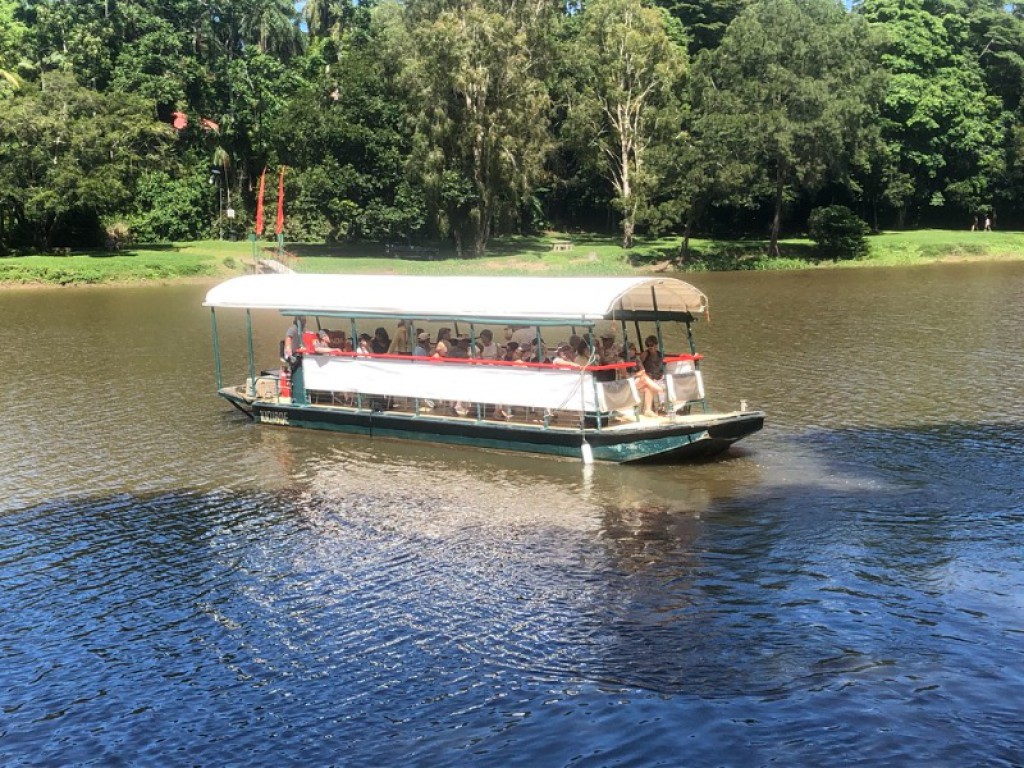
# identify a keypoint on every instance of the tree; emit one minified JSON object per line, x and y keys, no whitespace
{"x":787,"y":93}
{"x":14,"y":47}
{"x":474,"y":71}
{"x":626,"y":103}
{"x":704,"y":20}
{"x":69,"y":154}
{"x":939,"y":123}
{"x":81,"y":37}
{"x":273,"y":25}
{"x":347,"y":138}
{"x":328,"y":18}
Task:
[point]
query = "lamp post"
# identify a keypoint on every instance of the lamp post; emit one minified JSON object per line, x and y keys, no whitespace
{"x":216,"y":177}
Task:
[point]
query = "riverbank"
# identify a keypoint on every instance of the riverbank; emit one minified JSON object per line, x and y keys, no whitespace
{"x":553,"y":254}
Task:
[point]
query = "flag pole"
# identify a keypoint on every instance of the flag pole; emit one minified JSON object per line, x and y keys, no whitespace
{"x":279,"y":224}
{"x":258,"y":231}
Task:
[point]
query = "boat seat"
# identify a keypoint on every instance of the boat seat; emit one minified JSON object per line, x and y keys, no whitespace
{"x":683,"y":383}
{"x":621,"y":395}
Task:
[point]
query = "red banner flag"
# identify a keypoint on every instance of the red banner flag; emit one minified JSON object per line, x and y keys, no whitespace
{"x":279,"y":227}
{"x":259,"y":204}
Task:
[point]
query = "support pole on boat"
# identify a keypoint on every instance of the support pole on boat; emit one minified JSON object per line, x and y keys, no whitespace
{"x":251,"y":391}
{"x":355,"y":347}
{"x":669,"y":402}
{"x":657,"y":323}
{"x":592,"y":344}
{"x":216,"y":347}
{"x":586,"y":452}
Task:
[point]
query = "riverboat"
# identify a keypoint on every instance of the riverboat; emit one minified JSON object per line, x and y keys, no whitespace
{"x":592,"y":410}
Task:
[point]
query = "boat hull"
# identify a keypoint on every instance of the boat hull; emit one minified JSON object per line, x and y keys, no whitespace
{"x":686,"y":438}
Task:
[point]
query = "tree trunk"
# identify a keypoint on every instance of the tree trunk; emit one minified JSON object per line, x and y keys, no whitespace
{"x":627,"y":231}
{"x":773,"y":242}
{"x":684,"y":246}
{"x":458,"y":242}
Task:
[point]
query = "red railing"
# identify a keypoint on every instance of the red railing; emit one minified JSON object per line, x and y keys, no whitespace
{"x":625,"y":365}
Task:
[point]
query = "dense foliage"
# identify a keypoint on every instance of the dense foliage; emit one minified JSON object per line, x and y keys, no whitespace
{"x":458,"y":120}
{"x":838,"y":232}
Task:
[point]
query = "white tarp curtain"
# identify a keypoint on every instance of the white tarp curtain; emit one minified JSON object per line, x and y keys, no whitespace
{"x":568,"y":390}
{"x":557,"y":389}
{"x":572,"y":299}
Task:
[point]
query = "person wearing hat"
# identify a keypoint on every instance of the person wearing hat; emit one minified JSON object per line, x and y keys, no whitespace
{"x":422,"y":345}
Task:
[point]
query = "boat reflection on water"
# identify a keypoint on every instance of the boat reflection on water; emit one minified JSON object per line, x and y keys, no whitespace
{"x":492,"y":490}
{"x":548,"y":567}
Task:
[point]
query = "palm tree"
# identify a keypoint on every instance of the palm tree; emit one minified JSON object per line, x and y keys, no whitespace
{"x":327,"y":18}
{"x":274,"y":26}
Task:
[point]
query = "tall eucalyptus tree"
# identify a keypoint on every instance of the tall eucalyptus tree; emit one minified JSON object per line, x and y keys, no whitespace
{"x":626,"y":102}
{"x":474,"y":72}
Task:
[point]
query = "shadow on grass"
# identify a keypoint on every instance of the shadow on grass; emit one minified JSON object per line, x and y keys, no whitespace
{"x":136,"y":250}
{"x":719,"y":255}
{"x":431,"y":250}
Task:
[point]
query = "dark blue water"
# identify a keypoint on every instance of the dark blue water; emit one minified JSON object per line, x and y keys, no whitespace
{"x":876,"y":620}
{"x":187,"y":589}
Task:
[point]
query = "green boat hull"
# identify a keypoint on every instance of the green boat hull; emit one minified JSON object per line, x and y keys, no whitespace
{"x":686,"y":438}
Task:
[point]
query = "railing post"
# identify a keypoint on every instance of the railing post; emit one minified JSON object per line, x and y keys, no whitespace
{"x":216,"y":348}
{"x":252,"y":364}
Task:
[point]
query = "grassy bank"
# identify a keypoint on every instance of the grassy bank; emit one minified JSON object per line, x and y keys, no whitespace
{"x":147,"y":263}
{"x":582,"y":255}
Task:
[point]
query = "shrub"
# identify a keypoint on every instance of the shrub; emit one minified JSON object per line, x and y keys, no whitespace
{"x":838,"y":232}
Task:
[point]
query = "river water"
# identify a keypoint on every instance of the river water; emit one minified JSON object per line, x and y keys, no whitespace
{"x":180,"y":587}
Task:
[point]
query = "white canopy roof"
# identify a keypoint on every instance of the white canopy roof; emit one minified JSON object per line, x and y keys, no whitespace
{"x":571,"y":299}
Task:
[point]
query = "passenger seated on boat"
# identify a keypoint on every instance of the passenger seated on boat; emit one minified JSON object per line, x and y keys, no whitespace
{"x":608,"y":353}
{"x":512,"y":352}
{"x":487,"y":349}
{"x":650,"y":375}
{"x":631,"y":355}
{"x":364,"y":349}
{"x":400,"y":344}
{"x":440,"y":350}
{"x":338,"y":339}
{"x":381,"y":342}
{"x":584,"y":353}
{"x":459,"y":348}
{"x":422,"y":348}
{"x":445,"y":335}
{"x":565,"y":357}
{"x":652,"y":359}
{"x":323,"y":342}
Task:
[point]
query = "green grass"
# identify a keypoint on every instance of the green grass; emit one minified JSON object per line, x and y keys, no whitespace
{"x":137,"y":264}
{"x":588,"y":255}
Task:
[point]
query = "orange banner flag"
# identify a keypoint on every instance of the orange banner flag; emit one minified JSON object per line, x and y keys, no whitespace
{"x":259,"y":203}
{"x":279,"y":227}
